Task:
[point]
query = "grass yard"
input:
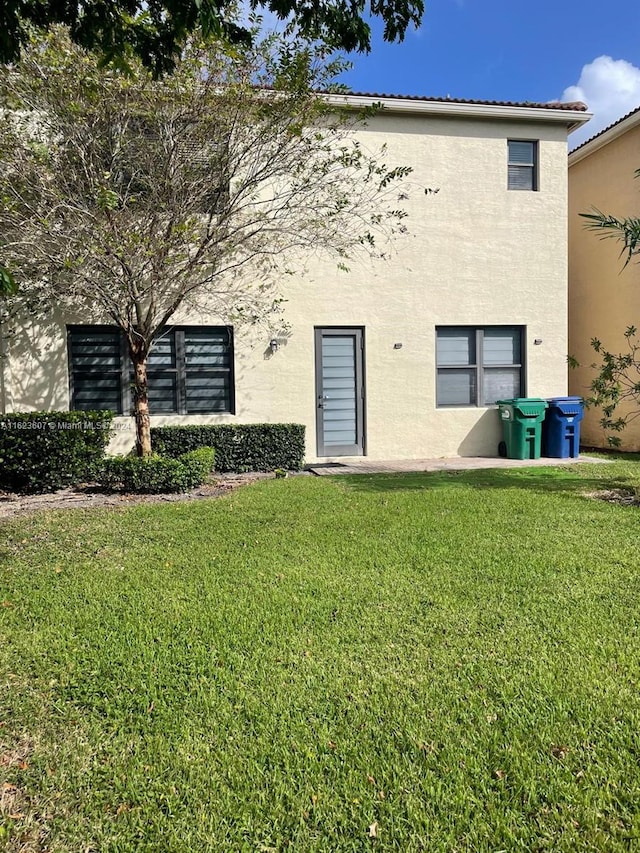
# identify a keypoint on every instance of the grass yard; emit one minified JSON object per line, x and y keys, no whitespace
{"x":433,"y":662}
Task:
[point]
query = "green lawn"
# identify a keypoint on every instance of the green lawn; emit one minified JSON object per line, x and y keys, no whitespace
{"x":447,"y":662}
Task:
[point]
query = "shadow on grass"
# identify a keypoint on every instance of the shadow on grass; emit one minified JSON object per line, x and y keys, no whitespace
{"x":558,"y":479}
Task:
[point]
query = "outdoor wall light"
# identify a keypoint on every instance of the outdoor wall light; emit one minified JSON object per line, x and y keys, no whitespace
{"x":273,"y":344}
{"x":538,"y":341}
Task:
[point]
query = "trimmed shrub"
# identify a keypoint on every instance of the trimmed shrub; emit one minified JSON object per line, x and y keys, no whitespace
{"x":157,"y":474}
{"x":45,"y":451}
{"x":239,"y":447}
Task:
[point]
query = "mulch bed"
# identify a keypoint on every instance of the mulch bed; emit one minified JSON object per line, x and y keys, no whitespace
{"x":85,"y":497}
{"x":625,"y":497}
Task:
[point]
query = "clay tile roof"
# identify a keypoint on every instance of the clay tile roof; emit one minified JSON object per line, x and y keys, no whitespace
{"x":553,"y":105}
{"x":605,"y":129}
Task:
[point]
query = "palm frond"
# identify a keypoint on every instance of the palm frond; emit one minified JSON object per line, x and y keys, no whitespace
{"x":627,"y":231}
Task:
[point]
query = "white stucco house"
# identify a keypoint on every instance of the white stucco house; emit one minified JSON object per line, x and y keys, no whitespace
{"x":397,"y":359}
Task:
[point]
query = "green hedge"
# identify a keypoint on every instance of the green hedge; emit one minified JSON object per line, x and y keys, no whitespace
{"x":45,"y":451}
{"x":157,"y":474}
{"x":239,"y":447}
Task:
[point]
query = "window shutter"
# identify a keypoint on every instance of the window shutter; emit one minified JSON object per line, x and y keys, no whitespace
{"x":501,"y":384}
{"x":95,"y":362}
{"x":456,"y":347}
{"x":189,"y":370}
{"x":520,"y":178}
{"x":501,"y":346}
{"x":207,"y":354}
{"x":456,"y":387}
{"x":162,"y":375}
{"x":520,"y":153}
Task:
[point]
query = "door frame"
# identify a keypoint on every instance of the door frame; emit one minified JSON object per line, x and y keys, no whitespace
{"x":359,"y":448}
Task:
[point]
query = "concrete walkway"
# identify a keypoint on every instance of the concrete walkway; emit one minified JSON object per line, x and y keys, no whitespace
{"x":457,"y":463}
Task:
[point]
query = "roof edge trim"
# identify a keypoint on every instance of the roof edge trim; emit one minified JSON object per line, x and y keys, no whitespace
{"x":605,"y":136}
{"x":571,"y":118}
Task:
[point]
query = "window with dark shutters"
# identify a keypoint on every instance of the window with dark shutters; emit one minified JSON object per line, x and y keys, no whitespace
{"x":189,"y":370}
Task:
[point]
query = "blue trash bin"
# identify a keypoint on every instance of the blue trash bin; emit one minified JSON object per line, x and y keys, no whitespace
{"x":561,"y":428}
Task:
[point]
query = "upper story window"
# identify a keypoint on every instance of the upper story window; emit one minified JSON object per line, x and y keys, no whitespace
{"x":197,"y":170}
{"x":523,"y":165}
{"x":189,"y":370}
{"x":478,"y":366}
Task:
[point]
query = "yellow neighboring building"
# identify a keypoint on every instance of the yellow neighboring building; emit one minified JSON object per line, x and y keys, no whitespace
{"x":604,"y":298}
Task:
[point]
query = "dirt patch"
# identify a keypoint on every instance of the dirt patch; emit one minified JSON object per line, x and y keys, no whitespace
{"x":16,"y":754}
{"x":23,"y":828}
{"x":85,"y":497}
{"x":625,"y":497}
{"x":20,"y":830}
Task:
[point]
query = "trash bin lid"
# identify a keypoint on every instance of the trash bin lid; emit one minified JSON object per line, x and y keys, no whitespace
{"x":567,"y":405}
{"x":530,"y":406}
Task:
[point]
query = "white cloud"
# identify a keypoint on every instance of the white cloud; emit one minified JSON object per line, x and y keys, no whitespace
{"x":610,"y":88}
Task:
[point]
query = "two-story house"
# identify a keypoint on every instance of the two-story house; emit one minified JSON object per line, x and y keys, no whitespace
{"x":402,"y":358}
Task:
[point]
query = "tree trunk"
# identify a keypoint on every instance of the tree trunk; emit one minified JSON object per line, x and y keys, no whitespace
{"x":141,"y":408}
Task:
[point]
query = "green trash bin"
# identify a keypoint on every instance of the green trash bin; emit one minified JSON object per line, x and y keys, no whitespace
{"x":522,"y":426}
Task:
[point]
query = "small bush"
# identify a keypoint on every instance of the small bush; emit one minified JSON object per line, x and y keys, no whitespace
{"x":239,"y":447}
{"x":45,"y":451}
{"x":157,"y":474}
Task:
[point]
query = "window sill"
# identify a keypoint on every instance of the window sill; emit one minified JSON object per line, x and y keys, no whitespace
{"x":466,"y":408}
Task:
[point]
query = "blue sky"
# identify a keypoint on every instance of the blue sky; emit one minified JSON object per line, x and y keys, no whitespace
{"x":514,"y":51}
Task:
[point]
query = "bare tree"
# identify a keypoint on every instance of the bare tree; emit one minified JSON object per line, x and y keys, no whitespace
{"x":126,"y":198}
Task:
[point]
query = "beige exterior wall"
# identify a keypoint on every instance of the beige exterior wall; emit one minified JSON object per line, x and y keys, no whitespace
{"x":476,"y":254}
{"x":604,"y":298}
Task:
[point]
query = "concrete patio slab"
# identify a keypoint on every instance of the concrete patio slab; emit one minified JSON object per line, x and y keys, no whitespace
{"x":458,"y":463}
